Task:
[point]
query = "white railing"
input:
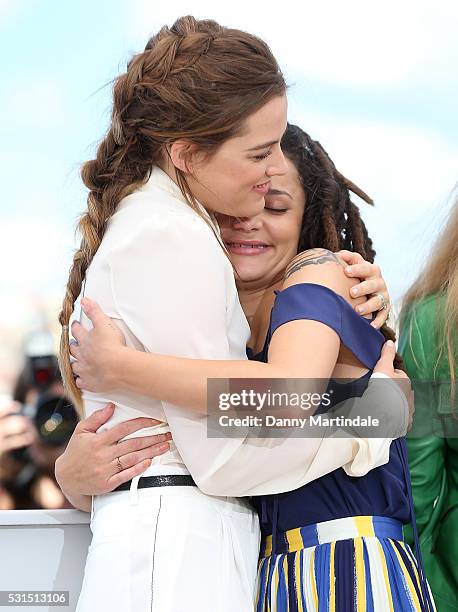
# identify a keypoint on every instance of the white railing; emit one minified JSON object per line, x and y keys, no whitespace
{"x":43,"y":550}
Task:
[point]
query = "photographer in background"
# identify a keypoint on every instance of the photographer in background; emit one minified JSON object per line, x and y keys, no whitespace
{"x":16,"y":431}
{"x":34,"y":431}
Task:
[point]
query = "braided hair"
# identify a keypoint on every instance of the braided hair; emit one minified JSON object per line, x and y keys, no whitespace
{"x":331,"y":220}
{"x":196,"y":80}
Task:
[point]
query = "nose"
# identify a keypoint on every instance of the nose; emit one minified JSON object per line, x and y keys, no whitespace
{"x":246,"y":224}
{"x":277,"y":166}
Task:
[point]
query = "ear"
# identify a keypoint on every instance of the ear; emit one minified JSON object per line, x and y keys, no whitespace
{"x":181,"y":153}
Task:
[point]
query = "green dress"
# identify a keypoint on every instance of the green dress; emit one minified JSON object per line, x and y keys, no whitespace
{"x":433,"y":449}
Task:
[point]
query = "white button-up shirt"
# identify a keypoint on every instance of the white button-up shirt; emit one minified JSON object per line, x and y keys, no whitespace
{"x":164,"y":279}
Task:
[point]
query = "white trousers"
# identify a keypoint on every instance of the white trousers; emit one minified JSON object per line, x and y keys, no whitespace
{"x":170,"y":549}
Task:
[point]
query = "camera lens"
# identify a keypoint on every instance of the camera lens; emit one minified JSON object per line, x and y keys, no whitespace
{"x":55,"y":419}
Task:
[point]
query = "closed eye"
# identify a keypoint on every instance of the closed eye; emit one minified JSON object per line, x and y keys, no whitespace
{"x":275,"y":210}
{"x":263,"y":156}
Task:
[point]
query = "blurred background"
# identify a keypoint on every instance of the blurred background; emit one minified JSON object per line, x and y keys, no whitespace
{"x":376,"y":84}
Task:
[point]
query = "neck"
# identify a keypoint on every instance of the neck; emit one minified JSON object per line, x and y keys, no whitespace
{"x":167,"y":167}
{"x":257,"y":302}
{"x":250,"y":301}
{"x":253,"y":293}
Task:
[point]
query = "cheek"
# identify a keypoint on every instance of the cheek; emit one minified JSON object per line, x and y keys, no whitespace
{"x":286,"y":236}
{"x":243,"y":173}
{"x":232,"y":179}
{"x":294,"y":232}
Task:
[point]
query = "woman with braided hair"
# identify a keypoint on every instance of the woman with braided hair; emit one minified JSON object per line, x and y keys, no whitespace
{"x":261,"y":248}
{"x":196,"y":126}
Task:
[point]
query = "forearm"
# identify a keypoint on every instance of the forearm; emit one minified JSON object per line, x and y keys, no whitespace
{"x":262,"y":466}
{"x":182,"y":381}
{"x":80,"y":501}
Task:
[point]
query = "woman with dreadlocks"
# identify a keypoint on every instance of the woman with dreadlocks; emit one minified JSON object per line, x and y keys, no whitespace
{"x":334,"y":543}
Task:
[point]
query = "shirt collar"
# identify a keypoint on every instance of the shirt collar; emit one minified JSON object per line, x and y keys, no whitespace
{"x":159,"y":179}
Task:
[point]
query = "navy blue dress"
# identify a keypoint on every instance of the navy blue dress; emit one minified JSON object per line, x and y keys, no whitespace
{"x":383,"y":492}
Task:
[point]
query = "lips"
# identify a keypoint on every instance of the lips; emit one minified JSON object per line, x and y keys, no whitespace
{"x":247,"y":247}
{"x":262,"y":188}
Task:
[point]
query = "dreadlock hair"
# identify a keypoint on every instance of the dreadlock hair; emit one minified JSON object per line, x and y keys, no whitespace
{"x":331,"y":220}
{"x":196,"y":80}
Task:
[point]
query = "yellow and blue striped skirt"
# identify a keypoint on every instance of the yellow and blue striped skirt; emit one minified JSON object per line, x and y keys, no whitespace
{"x":354,"y":564}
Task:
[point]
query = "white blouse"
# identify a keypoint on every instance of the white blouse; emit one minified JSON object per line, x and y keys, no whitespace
{"x":164,"y":279}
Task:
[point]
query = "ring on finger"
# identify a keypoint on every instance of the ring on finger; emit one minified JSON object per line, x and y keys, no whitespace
{"x":119,"y":464}
{"x":383,"y":302}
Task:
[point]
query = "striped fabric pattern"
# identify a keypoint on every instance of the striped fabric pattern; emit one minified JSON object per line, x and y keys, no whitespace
{"x":355,"y":564}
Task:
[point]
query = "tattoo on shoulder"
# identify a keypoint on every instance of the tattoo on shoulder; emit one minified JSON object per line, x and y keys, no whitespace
{"x":311,"y":257}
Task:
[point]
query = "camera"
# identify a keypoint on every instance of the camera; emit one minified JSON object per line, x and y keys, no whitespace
{"x":55,"y":419}
{"x":52,"y":414}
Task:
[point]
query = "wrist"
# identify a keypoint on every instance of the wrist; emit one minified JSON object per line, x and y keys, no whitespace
{"x":58,"y":470}
{"x":398,"y":403}
{"x":118,"y":370}
{"x":78,"y":500}
{"x":113,"y":369}
{"x":61,"y":475}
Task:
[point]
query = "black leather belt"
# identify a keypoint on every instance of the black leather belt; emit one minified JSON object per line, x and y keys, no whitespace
{"x":164,"y":480}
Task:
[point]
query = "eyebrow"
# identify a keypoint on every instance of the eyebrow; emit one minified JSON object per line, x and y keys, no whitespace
{"x":263,"y":146}
{"x":279,"y":192}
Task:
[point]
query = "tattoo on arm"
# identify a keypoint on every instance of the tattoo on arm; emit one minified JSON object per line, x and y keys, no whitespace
{"x":309,"y":258}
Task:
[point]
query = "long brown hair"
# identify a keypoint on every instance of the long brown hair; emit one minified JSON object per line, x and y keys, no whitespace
{"x":331,"y":220}
{"x":440,"y":277}
{"x":197,"y":81}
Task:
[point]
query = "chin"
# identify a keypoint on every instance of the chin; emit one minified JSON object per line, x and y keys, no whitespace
{"x":251,"y":206}
{"x":246,"y":273}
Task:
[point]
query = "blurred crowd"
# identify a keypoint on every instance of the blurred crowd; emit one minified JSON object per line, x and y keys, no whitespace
{"x":34,"y":430}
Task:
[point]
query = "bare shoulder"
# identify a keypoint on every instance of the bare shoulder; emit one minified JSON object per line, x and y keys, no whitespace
{"x":321,"y":267}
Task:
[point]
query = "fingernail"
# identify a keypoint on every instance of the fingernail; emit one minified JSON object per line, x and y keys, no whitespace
{"x":360,"y":309}
{"x":354,"y":291}
{"x":348,"y":269}
{"x":390,"y":342}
